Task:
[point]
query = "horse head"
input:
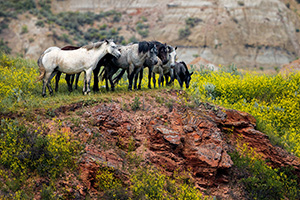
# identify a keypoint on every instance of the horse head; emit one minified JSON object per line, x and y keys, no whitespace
{"x":162,"y":51}
{"x":112,"y":49}
{"x":172,"y":55}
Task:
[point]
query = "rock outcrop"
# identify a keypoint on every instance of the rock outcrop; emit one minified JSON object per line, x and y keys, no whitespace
{"x":174,"y":138}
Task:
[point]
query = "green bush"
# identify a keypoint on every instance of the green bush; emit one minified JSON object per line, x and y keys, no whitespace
{"x":3,"y":47}
{"x":263,"y":181}
{"x":183,"y":33}
{"x":149,"y":183}
{"x":135,"y":105}
{"x":191,"y":21}
{"x":142,"y":29}
{"x":25,"y":151}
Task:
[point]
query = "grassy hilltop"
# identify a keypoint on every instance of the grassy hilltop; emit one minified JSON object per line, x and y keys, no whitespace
{"x":29,"y":152}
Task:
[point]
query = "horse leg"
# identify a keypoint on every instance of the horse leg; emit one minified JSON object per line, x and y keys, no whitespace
{"x":68,"y":79}
{"x":135,"y":81}
{"x":76,"y":81}
{"x":172,"y":76}
{"x":72,"y":81}
{"x":149,"y":76}
{"x":136,"y":76}
{"x":167,"y":80}
{"x":112,"y":85}
{"x":96,"y":79}
{"x":141,"y":78}
{"x":153,"y":79}
{"x":57,"y":78}
{"x":110,"y":74}
{"x":45,"y":83}
{"x":179,"y":80}
{"x":131,"y":73}
{"x":88,"y":75}
{"x":49,"y":81}
{"x":161,"y":74}
{"x":106,"y":77}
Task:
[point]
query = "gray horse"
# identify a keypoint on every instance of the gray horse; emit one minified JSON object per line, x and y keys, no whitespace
{"x":133,"y":57}
{"x":163,"y":56}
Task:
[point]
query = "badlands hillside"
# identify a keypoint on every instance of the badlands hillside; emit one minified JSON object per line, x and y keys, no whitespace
{"x":253,"y":34}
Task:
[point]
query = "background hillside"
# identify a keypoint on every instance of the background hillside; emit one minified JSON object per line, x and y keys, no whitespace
{"x":252,"y":34}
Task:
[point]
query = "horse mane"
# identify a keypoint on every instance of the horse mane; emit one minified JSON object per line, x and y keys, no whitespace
{"x":157,"y":44}
{"x":93,"y":45}
{"x":69,"y":48}
{"x":145,"y":46}
{"x":185,"y":66}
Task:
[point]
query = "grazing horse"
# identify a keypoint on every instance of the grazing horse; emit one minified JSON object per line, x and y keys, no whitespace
{"x":132,"y":58}
{"x":182,"y":74}
{"x":165,"y":69}
{"x":72,"y":62}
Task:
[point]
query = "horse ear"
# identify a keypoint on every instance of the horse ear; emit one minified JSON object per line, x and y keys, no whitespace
{"x":175,"y":47}
{"x":106,"y":41}
{"x":191,"y":73}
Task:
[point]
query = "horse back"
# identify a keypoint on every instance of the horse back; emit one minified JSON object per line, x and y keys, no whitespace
{"x":66,"y":48}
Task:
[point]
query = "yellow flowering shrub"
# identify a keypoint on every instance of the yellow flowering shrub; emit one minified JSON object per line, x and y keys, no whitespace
{"x":106,"y":180}
{"x":17,"y":81}
{"x":273,"y":100}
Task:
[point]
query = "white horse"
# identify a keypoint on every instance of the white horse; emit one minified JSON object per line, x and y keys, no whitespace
{"x":74,"y":61}
{"x":165,"y":69}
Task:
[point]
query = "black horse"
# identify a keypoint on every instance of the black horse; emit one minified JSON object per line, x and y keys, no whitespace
{"x":182,"y":74}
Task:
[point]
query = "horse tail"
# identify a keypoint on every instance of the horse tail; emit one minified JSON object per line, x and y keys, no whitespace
{"x":41,"y":68}
{"x":41,"y":65}
{"x":118,"y":78}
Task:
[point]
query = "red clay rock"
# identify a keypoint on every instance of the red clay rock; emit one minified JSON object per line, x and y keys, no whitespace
{"x":197,"y":140}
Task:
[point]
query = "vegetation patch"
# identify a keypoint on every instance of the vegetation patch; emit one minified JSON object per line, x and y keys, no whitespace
{"x":263,"y":181}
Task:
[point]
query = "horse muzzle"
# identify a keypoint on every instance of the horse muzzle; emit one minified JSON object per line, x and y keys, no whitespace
{"x":117,"y":54}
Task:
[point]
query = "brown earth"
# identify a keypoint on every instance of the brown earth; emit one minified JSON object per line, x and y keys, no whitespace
{"x":166,"y":132}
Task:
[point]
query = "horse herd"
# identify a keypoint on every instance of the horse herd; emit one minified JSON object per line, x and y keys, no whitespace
{"x":132,"y":58}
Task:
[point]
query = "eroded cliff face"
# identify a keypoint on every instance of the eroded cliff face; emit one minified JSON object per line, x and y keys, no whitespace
{"x":252,"y":33}
{"x":248,"y":33}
